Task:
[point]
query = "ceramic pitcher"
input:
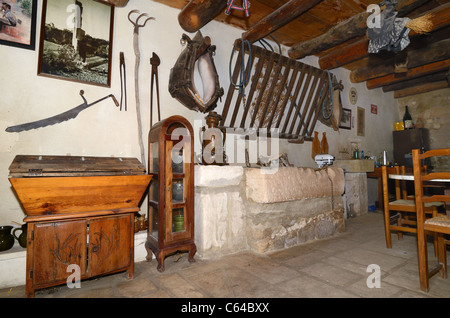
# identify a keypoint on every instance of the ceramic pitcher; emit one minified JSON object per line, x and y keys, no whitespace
{"x":6,"y":238}
{"x":22,"y":238}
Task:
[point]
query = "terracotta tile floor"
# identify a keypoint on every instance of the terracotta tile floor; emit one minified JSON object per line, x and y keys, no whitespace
{"x":335,"y":267}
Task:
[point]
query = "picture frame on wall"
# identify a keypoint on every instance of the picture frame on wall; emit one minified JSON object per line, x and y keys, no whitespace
{"x":76,"y":41}
{"x":18,"y":23}
{"x":346,"y":119}
{"x":360,"y":121}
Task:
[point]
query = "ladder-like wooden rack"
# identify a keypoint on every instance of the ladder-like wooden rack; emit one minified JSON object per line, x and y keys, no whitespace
{"x":285,"y":94}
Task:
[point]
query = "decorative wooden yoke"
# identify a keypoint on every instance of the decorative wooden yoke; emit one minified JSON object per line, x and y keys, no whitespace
{"x":284,"y":94}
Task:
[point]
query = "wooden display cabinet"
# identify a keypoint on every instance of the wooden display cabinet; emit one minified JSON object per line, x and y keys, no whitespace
{"x":171,"y":193}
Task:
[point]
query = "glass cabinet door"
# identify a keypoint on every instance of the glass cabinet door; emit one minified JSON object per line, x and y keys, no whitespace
{"x":153,"y":197}
{"x":176,"y":195}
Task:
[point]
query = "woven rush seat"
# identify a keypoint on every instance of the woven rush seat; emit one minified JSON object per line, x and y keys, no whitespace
{"x":413,"y":204}
{"x":442,"y":221}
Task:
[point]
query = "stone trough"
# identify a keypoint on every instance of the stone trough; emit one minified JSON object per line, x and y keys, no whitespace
{"x":262,"y":210}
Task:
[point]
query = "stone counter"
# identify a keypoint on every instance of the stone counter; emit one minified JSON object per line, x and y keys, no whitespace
{"x":239,"y":208}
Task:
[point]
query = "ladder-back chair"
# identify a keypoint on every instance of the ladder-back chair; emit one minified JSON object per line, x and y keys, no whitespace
{"x":405,"y":209}
{"x":439,"y":225}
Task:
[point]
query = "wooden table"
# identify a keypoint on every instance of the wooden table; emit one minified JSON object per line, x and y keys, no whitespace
{"x":410,"y":177}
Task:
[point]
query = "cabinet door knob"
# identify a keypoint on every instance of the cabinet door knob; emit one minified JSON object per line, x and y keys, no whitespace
{"x":94,"y":249}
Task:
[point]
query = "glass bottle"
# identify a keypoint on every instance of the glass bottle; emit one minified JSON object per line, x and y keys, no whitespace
{"x":324,"y":144}
{"x":315,"y":146}
{"x":407,"y":119}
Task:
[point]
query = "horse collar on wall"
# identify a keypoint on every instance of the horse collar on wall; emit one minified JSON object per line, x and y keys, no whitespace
{"x":181,"y":81}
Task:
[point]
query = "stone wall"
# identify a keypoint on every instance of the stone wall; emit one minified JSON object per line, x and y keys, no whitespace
{"x":431,"y":110}
{"x":241,"y":209}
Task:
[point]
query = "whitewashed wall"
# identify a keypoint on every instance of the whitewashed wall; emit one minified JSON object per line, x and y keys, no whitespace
{"x":103,"y":130}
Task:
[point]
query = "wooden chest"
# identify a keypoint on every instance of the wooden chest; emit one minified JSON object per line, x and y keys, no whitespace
{"x":80,"y":215}
{"x":61,"y":186}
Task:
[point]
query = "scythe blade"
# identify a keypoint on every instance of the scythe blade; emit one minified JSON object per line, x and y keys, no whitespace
{"x":67,"y":115}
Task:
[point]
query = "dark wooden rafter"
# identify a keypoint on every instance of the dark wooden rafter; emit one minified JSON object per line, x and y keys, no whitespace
{"x":439,"y":17}
{"x":284,"y":94}
{"x":437,"y":51}
{"x":356,"y":26}
{"x":421,"y":88}
{"x":278,"y":18}
{"x":412,"y":73}
{"x":435,"y":77}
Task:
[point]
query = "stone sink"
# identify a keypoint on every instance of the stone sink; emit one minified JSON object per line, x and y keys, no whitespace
{"x":355,"y":165}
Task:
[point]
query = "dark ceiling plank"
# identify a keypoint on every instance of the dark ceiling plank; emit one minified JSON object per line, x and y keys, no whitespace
{"x":421,"y":88}
{"x":278,"y":18}
{"x":412,"y":73}
{"x":434,"y":52}
{"x":354,"y":27}
{"x":435,"y":77}
{"x":440,"y":17}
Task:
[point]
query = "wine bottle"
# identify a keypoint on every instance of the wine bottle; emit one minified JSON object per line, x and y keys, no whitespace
{"x":324,"y":144}
{"x":407,"y":119}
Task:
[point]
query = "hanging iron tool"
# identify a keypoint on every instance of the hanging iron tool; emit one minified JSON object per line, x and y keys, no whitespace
{"x":123,"y":81}
{"x":67,"y":115}
{"x":154,"y":61}
{"x":137,"y":25}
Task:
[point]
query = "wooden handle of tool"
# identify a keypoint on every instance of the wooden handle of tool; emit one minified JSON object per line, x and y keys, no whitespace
{"x":114,"y":99}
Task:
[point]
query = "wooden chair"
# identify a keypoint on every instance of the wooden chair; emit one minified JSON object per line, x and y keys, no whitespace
{"x":439,"y":224}
{"x":406,"y":209}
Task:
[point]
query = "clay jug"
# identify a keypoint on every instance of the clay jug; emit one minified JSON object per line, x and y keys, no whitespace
{"x":315,"y":145}
{"x":324,"y":144}
{"x":6,"y":238}
{"x":22,"y":238}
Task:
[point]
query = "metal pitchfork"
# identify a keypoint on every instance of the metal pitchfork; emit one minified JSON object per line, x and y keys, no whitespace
{"x":137,"y":25}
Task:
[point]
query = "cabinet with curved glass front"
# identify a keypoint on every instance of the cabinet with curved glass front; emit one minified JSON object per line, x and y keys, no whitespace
{"x":171,"y":193}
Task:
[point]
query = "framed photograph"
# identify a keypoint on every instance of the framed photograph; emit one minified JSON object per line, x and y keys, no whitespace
{"x":76,"y":41}
{"x":18,"y":23}
{"x":360,"y":121}
{"x":346,"y":119}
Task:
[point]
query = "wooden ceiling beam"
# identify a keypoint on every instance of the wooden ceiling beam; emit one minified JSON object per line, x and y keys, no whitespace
{"x":356,"y":26}
{"x":434,"y":52}
{"x":420,"y":89}
{"x":280,"y":17}
{"x":435,"y":77}
{"x":440,"y":18}
{"x":198,"y":13}
{"x":412,"y":73}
